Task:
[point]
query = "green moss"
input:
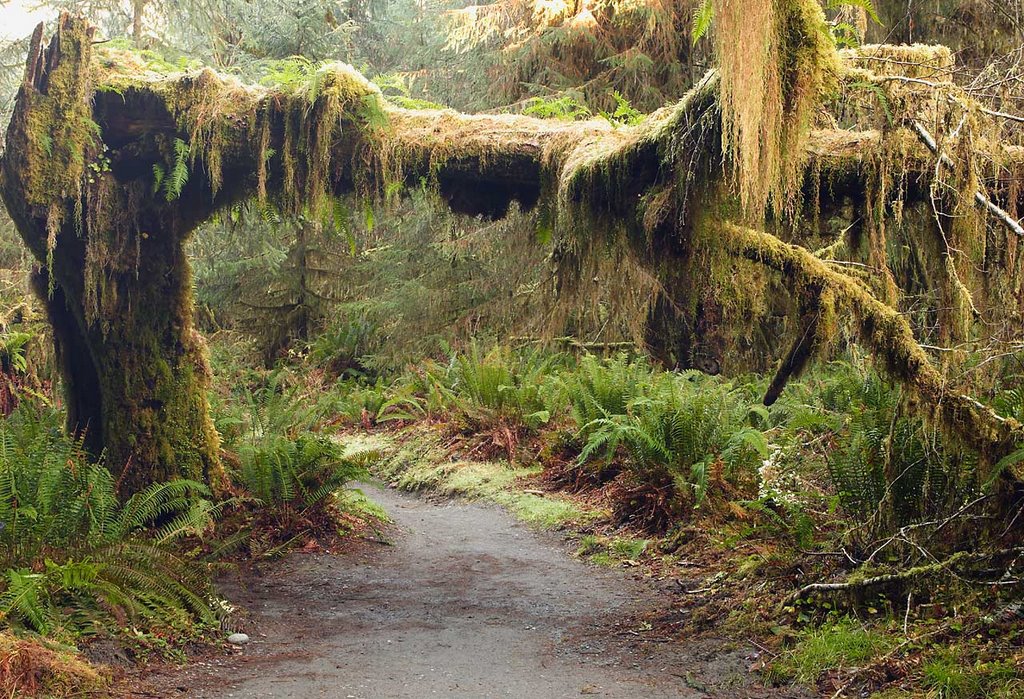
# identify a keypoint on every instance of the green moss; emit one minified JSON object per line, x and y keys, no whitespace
{"x":421,"y":465}
{"x":546,"y":512}
{"x":355,"y":502}
{"x":58,"y":136}
{"x":478,"y":479}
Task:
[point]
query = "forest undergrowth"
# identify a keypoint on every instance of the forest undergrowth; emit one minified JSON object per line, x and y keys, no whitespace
{"x":83,"y":566}
{"x":854,"y":544}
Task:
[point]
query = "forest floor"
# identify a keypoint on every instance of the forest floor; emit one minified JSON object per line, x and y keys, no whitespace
{"x":455,"y":599}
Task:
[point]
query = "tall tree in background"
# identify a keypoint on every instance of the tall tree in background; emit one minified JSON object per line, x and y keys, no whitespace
{"x":591,"y":47}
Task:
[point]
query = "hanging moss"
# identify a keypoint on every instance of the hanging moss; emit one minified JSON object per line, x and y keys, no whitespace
{"x":777,"y":62}
{"x":646,"y":212}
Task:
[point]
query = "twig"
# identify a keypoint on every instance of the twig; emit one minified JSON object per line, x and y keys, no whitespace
{"x":876,"y":580}
{"x":901,"y":576}
{"x":979,"y":197}
{"x":906,"y":614}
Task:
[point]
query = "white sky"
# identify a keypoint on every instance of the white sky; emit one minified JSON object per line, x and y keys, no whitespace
{"x":16,"y":21}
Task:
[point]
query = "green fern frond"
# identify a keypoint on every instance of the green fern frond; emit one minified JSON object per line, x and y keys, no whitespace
{"x":703,"y":16}
{"x":177,"y":178}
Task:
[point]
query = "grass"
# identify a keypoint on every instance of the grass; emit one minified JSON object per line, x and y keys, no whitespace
{"x":945,"y":676}
{"x":840,"y":645}
{"x":611,"y":551}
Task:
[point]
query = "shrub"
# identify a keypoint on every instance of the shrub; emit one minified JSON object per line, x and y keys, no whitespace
{"x":671,"y":440}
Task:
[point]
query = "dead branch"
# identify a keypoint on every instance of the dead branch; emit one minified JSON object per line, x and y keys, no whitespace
{"x":979,"y":197}
{"x":902,"y":576}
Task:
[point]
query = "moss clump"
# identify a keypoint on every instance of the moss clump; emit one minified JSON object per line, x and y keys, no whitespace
{"x":545,"y":512}
{"x":922,"y":61}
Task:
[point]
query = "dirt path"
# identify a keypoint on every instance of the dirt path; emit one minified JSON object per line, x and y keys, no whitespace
{"x":466,"y":603}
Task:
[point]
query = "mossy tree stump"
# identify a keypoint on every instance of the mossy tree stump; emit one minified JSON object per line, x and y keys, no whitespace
{"x":113,"y":274}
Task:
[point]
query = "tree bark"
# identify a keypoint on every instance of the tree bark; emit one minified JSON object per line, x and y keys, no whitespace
{"x":114,"y":277}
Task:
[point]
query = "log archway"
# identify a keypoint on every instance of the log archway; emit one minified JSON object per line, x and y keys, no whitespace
{"x":109,"y":168}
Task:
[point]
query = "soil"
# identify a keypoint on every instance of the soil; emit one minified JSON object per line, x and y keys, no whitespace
{"x":457,"y":600}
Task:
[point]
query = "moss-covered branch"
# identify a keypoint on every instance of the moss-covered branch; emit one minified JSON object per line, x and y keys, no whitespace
{"x":886,"y":334}
{"x":110,"y":166}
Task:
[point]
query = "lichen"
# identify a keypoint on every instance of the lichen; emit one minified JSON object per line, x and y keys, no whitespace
{"x":777,"y":64}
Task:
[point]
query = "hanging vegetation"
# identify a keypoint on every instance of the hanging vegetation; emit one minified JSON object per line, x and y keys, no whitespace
{"x":171,"y":149}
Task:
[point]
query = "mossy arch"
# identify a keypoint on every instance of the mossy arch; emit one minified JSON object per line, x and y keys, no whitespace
{"x":109,"y":167}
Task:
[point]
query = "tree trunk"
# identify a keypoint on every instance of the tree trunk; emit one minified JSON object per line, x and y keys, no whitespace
{"x":114,"y":278}
{"x":138,"y":9}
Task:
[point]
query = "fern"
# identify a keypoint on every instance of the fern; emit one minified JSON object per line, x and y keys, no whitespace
{"x":176,"y":179}
{"x":299,"y":477}
{"x":562,"y":107}
{"x":75,"y":560}
{"x":888,"y":468}
{"x":867,"y":5}
{"x":624,"y":114}
{"x":171,"y":181}
{"x":159,"y":175}
{"x":664,"y":430}
{"x":13,"y":348}
{"x":703,"y":16}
